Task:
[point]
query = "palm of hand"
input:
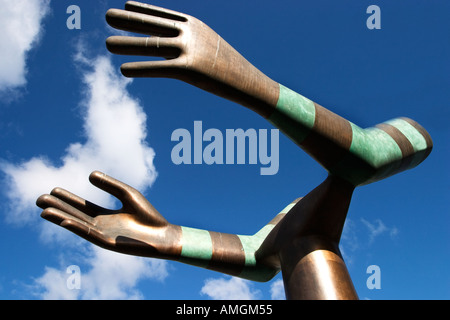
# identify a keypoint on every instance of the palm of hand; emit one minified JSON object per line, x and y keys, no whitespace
{"x":137,"y":226}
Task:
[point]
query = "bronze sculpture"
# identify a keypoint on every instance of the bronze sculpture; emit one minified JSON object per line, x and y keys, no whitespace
{"x":302,"y":240}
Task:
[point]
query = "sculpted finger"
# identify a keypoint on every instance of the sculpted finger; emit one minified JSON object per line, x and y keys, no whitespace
{"x":50,"y":201}
{"x":154,"y":11}
{"x":110,"y":185}
{"x":77,"y":226}
{"x":149,"y":46}
{"x":152,"y":69}
{"x":132,"y":200}
{"x":57,"y":216}
{"x":142,"y":23}
{"x":89,"y":208}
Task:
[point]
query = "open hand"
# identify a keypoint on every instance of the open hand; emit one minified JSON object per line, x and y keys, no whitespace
{"x":136,"y":228}
{"x":194,"y":53}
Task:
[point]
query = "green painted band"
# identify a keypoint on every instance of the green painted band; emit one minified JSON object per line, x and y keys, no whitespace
{"x":417,"y":140}
{"x":197,"y":250}
{"x":260,"y":273}
{"x":374,"y":146}
{"x":196,"y":246}
{"x":294,"y":114}
{"x":375,"y":155}
{"x":251,"y":243}
{"x":252,"y":269}
{"x":415,"y":137}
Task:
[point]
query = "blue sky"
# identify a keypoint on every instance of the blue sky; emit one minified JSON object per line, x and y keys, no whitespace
{"x":65,"y":110}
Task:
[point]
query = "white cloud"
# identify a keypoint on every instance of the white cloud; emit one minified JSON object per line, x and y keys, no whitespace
{"x":20,"y":22}
{"x":230,"y":289}
{"x":53,"y":286}
{"x":115,"y":134}
{"x":114,"y":275}
{"x":277,"y":290}
{"x":114,"y":125}
{"x":108,"y":276}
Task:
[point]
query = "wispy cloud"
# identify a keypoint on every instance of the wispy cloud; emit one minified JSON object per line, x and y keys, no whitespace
{"x":358,"y":235}
{"x":20,"y":22}
{"x":378,"y":228}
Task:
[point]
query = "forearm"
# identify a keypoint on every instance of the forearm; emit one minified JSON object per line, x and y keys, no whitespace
{"x":222,"y":252}
{"x":360,"y":156}
{"x":230,"y":76}
{"x":229,"y":253}
{"x":198,"y":55}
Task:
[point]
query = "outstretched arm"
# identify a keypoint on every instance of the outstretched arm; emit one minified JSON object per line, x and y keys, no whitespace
{"x":302,"y":239}
{"x":197,"y":55}
{"x":139,"y":229}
